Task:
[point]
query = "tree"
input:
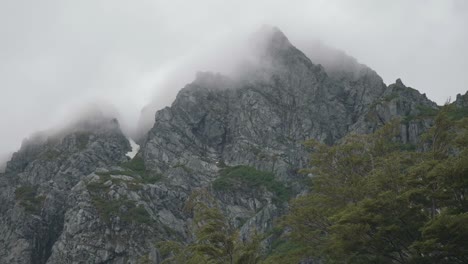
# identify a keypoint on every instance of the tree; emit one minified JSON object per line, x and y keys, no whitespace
{"x":215,"y":240}
{"x":444,"y":240}
{"x":372,"y":201}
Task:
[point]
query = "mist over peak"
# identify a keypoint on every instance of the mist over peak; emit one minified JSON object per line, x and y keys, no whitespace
{"x":213,"y":80}
{"x":145,"y":108}
{"x":336,"y":62}
{"x":245,"y":57}
{"x":270,"y":38}
{"x":140,"y":54}
{"x":98,"y":117}
{"x":4,"y":158}
{"x":261,"y":55}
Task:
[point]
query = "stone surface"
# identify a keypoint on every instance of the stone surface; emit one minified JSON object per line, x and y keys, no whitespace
{"x":38,"y":178}
{"x":74,"y":197}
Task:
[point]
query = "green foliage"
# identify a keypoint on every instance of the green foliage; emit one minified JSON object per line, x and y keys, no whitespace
{"x":285,"y":252}
{"x":444,"y":240}
{"x":458,"y":113}
{"x":28,"y":199}
{"x":117,"y":172}
{"x":145,"y":259}
{"x":383,"y":100}
{"x":427,"y":111}
{"x":407,"y":147}
{"x":136,"y":214}
{"x":140,"y":178}
{"x":455,"y":112}
{"x":376,"y":230}
{"x":108,"y":208}
{"x":136,"y":166}
{"x":372,"y":201}
{"x":245,"y":177}
{"x":25,"y":192}
{"x":423,"y":113}
{"x":390,"y":97}
{"x":215,"y":240}
{"x":125,"y":209}
{"x":175,"y":252}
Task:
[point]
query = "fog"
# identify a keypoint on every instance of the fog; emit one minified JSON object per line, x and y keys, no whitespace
{"x":57,"y":56}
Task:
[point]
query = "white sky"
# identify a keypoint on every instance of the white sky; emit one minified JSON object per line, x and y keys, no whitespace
{"x":56,"y":56}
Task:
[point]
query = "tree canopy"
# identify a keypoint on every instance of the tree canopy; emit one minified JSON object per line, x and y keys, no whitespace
{"x":371,"y":200}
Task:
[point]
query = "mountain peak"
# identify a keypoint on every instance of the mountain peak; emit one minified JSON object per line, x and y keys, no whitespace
{"x":398,"y":82}
{"x":270,"y":39}
{"x":82,"y":189}
{"x":462,"y":100}
{"x":273,"y":34}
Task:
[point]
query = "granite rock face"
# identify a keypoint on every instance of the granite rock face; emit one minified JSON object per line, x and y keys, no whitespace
{"x":75,"y":197}
{"x":414,"y":109}
{"x":37,"y":182}
{"x":261,"y":118}
{"x":462,"y":100}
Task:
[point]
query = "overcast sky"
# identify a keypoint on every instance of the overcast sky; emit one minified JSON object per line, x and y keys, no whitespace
{"x":56,"y":56}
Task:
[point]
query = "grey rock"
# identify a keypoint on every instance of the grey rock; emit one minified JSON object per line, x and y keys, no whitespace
{"x":462,"y":100}
{"x":71,"y":197}
{"x":414,"y":109}
{"x":38,"y":179}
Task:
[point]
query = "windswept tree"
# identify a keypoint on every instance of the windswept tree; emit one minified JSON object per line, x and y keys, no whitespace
{"x":215,"y":240}
{"x":374,"y":200}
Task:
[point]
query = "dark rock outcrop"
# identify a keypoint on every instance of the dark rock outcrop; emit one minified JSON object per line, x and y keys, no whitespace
{"x":414,"y":109}
{"x":37,"y":182}
{"x":76,"y":198}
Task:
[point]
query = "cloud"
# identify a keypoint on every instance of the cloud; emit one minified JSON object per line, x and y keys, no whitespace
{"x":60,"y":54}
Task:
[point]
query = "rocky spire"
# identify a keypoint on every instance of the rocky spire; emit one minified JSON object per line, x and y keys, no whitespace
{"x":93,"y":205}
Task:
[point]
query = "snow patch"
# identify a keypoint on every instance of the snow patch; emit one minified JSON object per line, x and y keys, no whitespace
{"x":135,"y":148}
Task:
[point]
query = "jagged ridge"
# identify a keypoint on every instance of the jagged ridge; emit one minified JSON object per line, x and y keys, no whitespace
{"x":76,"y":197}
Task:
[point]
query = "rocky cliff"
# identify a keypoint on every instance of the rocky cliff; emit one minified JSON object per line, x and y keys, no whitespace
{"x":75,"y":197}
{"x":37,"y":183}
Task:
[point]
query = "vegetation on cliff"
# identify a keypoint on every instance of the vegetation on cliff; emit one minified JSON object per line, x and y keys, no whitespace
{"x":371,"y":200}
